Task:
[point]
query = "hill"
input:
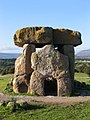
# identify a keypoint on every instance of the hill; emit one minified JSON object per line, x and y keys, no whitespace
{"x":9,"y":55}
{"x":84,"y":54}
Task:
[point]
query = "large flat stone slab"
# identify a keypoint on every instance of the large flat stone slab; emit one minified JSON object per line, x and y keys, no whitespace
{"x":66,"y":37}
{"x":35,"y":35}
{"x":46,"y":35}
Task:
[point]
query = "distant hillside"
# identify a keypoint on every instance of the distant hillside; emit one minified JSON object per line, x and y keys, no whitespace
{"x":9,"y":55}
{"x":84,"y":54}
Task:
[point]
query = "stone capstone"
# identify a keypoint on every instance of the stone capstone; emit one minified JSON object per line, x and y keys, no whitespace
{"x":48,"y":62}
{"x":46,"y":35}
{"x":33,"y":35}
{"x":66,"y":37}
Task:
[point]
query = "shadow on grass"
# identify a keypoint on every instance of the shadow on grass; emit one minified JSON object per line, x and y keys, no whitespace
{"x":33,"y":107}
{"x":81,"y":89}
{"x":23,"y":107}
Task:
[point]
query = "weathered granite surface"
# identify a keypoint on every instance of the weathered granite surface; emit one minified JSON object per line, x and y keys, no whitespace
{"x":23,"y":69}
{"x":46,"y":35}
{"x":50,"y":63}
{"x":35,"y":35}
{"x":53,"y":63}
{"x":23,"y":63}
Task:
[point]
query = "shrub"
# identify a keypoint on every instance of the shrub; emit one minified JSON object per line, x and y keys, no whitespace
{"x":88,"y":71}
{"x":82,"y":67}
{"x":7,"y":66}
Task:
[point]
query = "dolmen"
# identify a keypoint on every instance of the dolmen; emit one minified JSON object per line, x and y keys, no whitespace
{"x":50,"y":69}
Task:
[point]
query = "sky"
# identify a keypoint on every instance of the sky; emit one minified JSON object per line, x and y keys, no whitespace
{"x":68,"y":14}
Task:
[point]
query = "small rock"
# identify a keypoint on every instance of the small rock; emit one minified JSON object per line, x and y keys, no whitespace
{"x":10,"y":104}
{"x":22,"y":103}
{"x":2,"y":103}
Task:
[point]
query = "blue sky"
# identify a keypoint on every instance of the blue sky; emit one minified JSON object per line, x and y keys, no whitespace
{"x":69,"y":14}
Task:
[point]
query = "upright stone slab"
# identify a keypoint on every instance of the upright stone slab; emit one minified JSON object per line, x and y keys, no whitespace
{"x":23,"y":63}
{"x":23,"y":69}
{"x":68,"y":50}
{"x":50,"y":63}
{"x":36,"y":84}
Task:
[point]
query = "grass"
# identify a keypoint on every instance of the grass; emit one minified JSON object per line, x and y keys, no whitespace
{"x":82,"y":77}
{"x":82,"y":84}
{"x":4,"y":80}
{"x":48,"y":112}
{"x":80,"y":111}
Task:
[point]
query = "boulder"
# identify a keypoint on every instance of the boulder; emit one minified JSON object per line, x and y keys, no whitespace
{"x":10,"y":104}
{"x":23,"y":63}
{"x":23,"y":104}
{"x":21,"y":84}
{"x":33,"y":35}
{"x":51,"y":63}
{"x":2,"y":103}
{"x":36,"y":84}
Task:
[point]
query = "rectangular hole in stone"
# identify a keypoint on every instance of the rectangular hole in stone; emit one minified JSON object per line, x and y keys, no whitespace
{"x":50,"y":87}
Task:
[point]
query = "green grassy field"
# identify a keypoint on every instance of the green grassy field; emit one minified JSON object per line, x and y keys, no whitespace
{"x":4,"y":80}
{"x":80,"y":111}
{"x":82,"y":77}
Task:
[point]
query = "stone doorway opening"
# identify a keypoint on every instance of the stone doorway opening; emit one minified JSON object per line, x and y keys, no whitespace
{"x":50,"y":87}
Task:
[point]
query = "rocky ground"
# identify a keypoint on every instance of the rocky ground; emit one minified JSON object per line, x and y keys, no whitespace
{"x":47,"y":99}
